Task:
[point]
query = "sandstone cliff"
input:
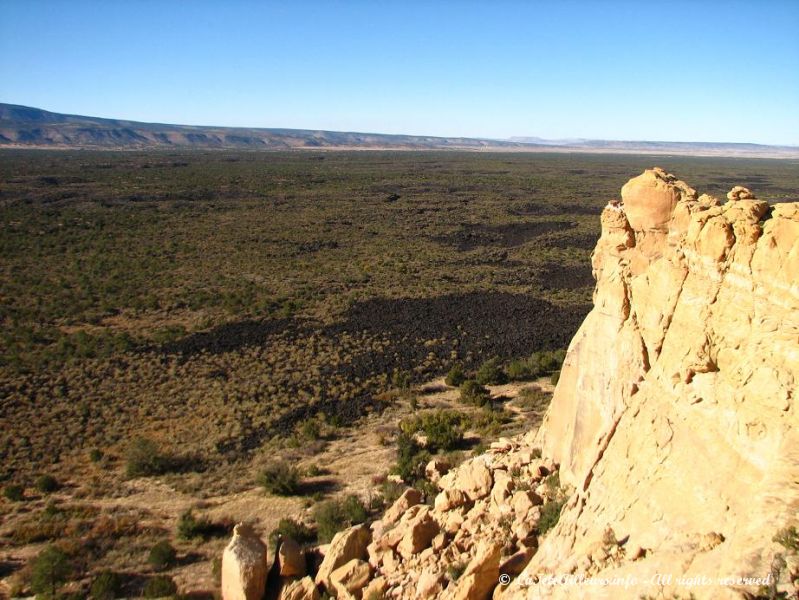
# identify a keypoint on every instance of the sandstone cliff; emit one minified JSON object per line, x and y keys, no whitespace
{"x":675,"y":417}
{"x":672,"y":441}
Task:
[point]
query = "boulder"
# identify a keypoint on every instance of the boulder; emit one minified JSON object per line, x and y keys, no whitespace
{"x":290,"y":558}
{"x":410,"y":497}
{"x":349,"y":579}
{"x":449,"y":499}
{"x":436,"y":469}
{"x":244,"y":566}
{"x":302,"y":589}
{"x":474,"y":479}
{"x":740,"y":193}
{"x":481,"y":574}
{"x":516,"y":562}
{"x":523,"y":501}
{"x":418,"y":533}
{"x":502,"y":489}
{"x":346,"y":545}
{"x":375,"y":589}
{"x":429,"y":585}
{"x":650,"y":199}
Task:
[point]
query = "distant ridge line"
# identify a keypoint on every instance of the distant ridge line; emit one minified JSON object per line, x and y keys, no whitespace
{"x":29,"y":127}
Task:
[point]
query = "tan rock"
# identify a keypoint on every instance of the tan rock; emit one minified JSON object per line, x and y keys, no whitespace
{"x":650,"y":199}
{"x":376,"y":589}
{"x":480,"y":577}
{"x":346,"y":545}
{"x":418,"y":533}
{"x":502,"y":489}
{"x":302,"y":589}
{"x":523,"y":501}
{"x":410,"y":497}
{"x":474,"y":479}
{"x":453,"y":521}
{"x":740,"y":193}
{"x":429,"y":585}
{"x":516,"y":562}
{"x":449,"y":499}
{"x":244,"y":565}
{"x":349,"y":579}
{"x":436,"y":469}
{"x":291,"y":560}
{"x":691,"y":350}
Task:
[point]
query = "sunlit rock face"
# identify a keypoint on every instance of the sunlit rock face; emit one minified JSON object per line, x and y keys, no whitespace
{"x":675,"y":417}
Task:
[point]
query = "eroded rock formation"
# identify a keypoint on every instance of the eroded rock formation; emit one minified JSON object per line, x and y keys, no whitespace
{"x":675,"y":416}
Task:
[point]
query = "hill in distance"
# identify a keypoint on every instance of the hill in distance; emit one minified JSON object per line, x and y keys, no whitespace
{"x":27,"y":127}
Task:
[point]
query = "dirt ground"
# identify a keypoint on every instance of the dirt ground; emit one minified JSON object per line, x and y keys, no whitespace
{"x":352,"y":463}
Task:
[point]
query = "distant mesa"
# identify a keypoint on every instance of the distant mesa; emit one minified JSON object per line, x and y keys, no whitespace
{"x":27,"y":127}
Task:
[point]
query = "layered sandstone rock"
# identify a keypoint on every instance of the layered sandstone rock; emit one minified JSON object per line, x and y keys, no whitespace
{"x":675,"y":417}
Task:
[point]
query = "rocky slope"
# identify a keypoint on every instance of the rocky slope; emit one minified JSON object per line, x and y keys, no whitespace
{"x":672,"y":440}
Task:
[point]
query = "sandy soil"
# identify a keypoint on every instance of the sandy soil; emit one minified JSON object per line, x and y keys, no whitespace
{"x":352,"y":462}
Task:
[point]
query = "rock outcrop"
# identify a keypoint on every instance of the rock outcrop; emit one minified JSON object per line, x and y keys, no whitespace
{"x":675,"y":416}
{"x":244,"y":566}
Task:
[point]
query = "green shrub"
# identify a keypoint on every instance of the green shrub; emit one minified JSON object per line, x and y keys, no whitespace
{"x":455,"y":570}
{"x":401,"y":380}
{"x":491,"y":373}
{"x":456,"y":376}
{"x":144,"y":458}
{"x":95,"y":455}
{"x":280,"y":478}
{"x":50,"y":569}
{"x":47,"y":484}
{"x":190,"y":527}
{"x":474,"y":393}
{"x":788,"y":538}
{"x":162,"y":556}
{"x":519,"y":370}
{"x":546,"y":361}
{"x":552,"y":481}
{"x":533,"y":398}
{"x":333,"y":516}
{"x":15,"y":493}
{"x":160,"y":586}
{"x":554,"y":378}
{"x":442,"y":428}
{"x":314,"y":470}
{"x":411,"y":458}
{"x":107,"y":585}
{"x":296,"y":530}
{"x":543,"y":362}
{"x":310,"y":429}
{"x":550,"y":514}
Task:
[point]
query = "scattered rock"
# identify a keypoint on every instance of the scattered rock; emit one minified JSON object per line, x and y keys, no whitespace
{"x":410,"y":497}
{"x":346,"y":545}
{"x":480,"y":576}
{"x":302,"y":589}
{"x":436,"y":469}
{"x":348,"y":580}
{"x":418,"y":533}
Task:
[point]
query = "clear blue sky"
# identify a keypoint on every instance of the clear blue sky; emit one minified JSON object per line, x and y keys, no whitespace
{"x":701,"y":70}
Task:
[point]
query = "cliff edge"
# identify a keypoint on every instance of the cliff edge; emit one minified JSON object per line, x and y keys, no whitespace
{"x":675,"y":417}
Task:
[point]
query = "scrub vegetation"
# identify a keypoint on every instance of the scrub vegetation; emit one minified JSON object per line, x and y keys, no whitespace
{"x":186,"y":324}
